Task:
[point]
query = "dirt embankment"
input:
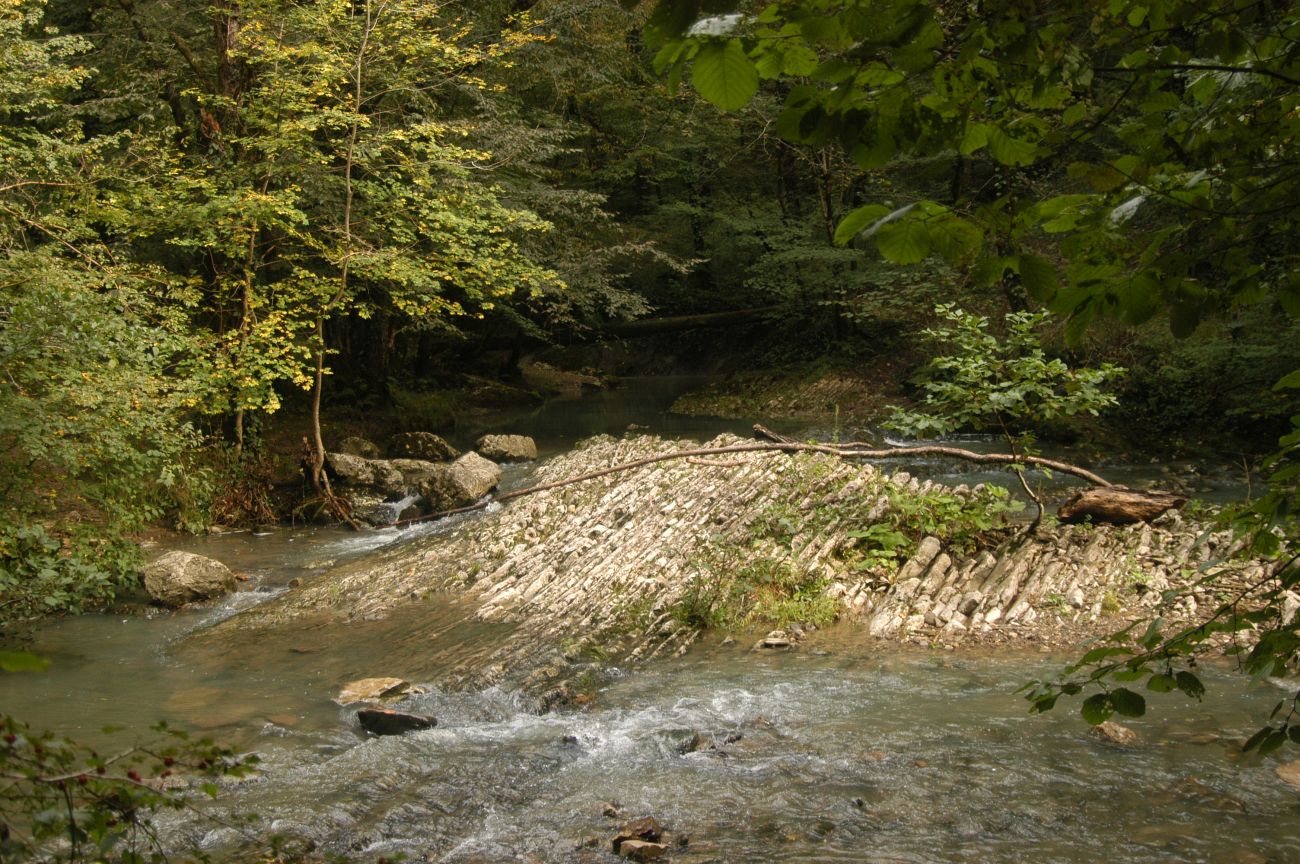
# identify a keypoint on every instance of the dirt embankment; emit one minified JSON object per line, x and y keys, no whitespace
{"x":632,"y":565}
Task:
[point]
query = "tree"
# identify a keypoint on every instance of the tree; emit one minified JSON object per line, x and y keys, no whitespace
{"x":1170,"y":126}
{"x":1007,"y":383}
{"x":93,"y":415}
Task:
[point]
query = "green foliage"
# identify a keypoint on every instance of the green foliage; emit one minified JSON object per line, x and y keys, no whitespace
{"x":1002,"y":383}
{"x":42,"y":575}
{"x":63,"y":801}
{"x":742,"y":587}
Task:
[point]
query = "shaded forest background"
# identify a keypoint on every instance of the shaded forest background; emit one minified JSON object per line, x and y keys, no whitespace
{"x":220,"y":217}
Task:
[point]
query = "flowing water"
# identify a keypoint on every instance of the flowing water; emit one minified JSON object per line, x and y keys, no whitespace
{"x":841,"y":751}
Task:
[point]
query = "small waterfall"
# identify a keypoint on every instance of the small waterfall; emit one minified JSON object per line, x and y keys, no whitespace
{"x":395,"y":508}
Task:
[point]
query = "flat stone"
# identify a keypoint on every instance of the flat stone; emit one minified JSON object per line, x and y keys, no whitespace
{"x":370,"y":689}
{"x":1290,"y":773}
{"x":641,"y":850}
{"x":385,"y":721}
{"x":507,"y":448}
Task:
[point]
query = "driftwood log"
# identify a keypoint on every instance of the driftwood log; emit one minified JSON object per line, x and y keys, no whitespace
{"x":1116,"y":505}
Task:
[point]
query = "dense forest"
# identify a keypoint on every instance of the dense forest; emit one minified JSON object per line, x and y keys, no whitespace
{"x":213,"y":211}
{"x":226,"y":222}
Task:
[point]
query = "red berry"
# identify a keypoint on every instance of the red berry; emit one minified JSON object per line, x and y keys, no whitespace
{"x":10,"y":737}
{"x":101,"y":770}
{"x":168,"y":761}
{"x":81,"y":779}
{"x":165,"y":774}
{"x":133,"y":775}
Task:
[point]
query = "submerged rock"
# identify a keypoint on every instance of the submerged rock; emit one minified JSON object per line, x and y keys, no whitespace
{"x":421,"y":445}
{"x":1115,"y":733}
{"x":507,"y":448}
{"x":1290,"y":773}
{"x":462,"y":482}
{"x":682,"y":741}
{"x":644,"y":830}
{"x":777,"y":640}
{"x":177,"y":578}
{"x":386,"y":721}
{"x":370,"y":689}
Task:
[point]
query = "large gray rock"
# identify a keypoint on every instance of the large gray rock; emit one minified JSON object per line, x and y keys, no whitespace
{"x":416,"y":471}
{"x":507,"y":448}
{"x":421,"y":445}
{"x":462,"y":482}
{"x":178,"y":578}
{"x":359,"y":473}
{"x":362,"y":447}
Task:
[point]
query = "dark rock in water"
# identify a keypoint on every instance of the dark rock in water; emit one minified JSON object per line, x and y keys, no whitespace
{"x":682,"y":741}
{"x":385,"y":721}
{"x":362,"y":447}
{"x":646,"y":830}
{"x":507,"y":448}
{"x":609,"y":810}
{"x":177,"y":578}
{"x":641,"y":850}
{"x":421,"y":445}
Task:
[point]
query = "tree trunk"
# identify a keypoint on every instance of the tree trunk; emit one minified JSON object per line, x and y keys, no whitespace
{"x":1116,"y":505}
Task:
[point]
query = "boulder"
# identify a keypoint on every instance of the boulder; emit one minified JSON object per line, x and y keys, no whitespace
{"x":358,"y":473}
{"x":414,"y":471}
{"x":385,"y":721}
{"x":421,"y":445}
{"x":369,"y":689}
{"x":362,"y":447}
{"x":507,"y":448}
{"x":178,"y":578}
{"x":462,"y":482}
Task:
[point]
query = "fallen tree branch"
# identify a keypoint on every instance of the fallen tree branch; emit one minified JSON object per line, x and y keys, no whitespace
{"x":854,"y":450}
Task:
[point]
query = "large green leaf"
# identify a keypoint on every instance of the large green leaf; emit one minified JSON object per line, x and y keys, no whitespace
{"x":1097,"y":708}
{"x":1010,"y":150}
{"x":1127,"y":702}
{"x":858,"y":221}
{"x":1038,"y":276}
{"x":904,"y":242}
{"x":725,"y":75}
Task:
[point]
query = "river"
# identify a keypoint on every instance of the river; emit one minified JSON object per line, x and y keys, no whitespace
{"x":840,"y":751}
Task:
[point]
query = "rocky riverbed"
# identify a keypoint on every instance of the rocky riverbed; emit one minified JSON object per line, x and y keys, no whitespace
{"x":631,"y":565}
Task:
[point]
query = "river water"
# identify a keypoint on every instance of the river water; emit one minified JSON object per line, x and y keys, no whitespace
{"x":841,"y":751}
